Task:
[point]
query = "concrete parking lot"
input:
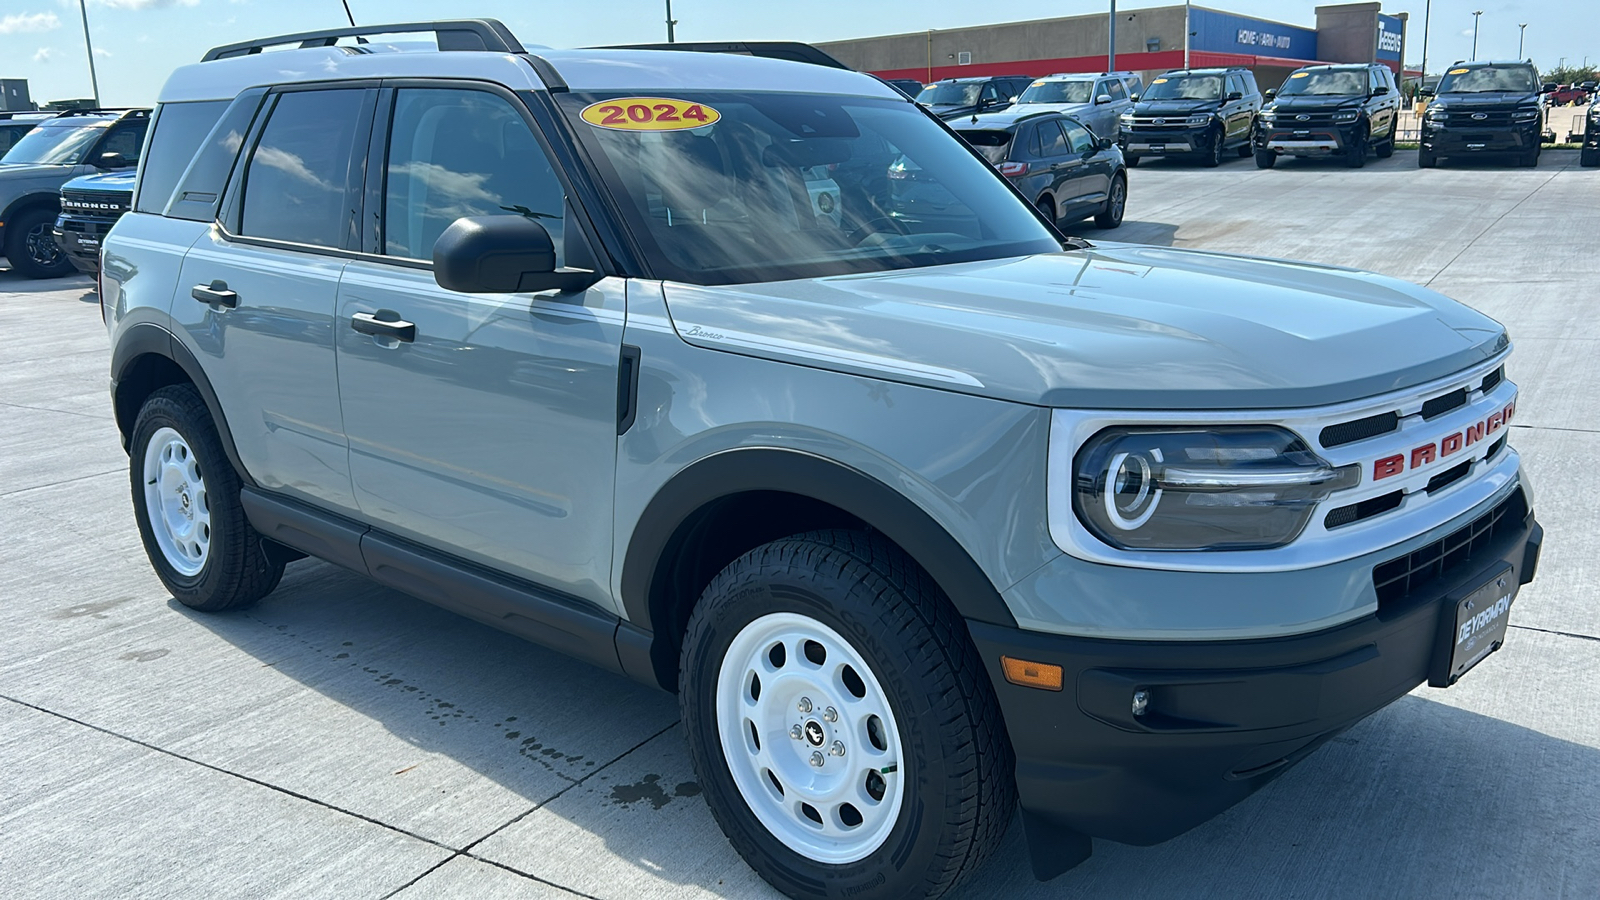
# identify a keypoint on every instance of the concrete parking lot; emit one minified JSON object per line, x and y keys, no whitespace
{"x":343,"y":740}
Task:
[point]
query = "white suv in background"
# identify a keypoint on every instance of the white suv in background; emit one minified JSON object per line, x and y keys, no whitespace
{"x":1096,"y":100}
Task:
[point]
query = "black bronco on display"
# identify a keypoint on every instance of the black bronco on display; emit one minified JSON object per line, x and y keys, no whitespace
{"x":1329,"y":111}
{"x":1194,"y":112}
{"x":1484,"y":107}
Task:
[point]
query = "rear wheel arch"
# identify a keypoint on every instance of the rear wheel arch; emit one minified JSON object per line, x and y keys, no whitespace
{"x":147,"y":358}
{"x":30,"y":202}
{"x":727,"y":504}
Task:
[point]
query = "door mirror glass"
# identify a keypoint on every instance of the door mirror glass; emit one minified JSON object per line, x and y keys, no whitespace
{"x":501,"y":255}
{"x":1380,"y":90}
{"x":1549,"y":87}
{"x":1235,"y":95}
{"x":1103,"y":143}
{"x":1103,"y":98}
{"x":1134,"y":97}
{"x":1425,"y":92}
{"x":111,"y":161}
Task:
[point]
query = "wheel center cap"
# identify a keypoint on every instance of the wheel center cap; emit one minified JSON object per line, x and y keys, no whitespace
{"x":813,"y":732}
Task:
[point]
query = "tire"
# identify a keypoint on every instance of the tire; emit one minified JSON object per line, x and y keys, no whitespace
{"x":1589,"y":158}
{"x":1355,"y":155}
{"x":1529,"y":159}
{"x":1266,"y":159}
{"x":847,"y":599}
{"x":1046,"y":208}
{"x":1116,"y":203}
{"x":198,"y":540}
{"x":1132,"y":161}
{"x":1245,"y":150}
{"x":31,"y":248}
{"x":1384,"y":149}
{"x":1426,"y":159}
{"x":1213,"y":156}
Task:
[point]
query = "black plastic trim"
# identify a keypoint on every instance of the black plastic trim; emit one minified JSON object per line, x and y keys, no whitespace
{"x":148,"y":338}
{"x":313,"y":532}
{"x":452,"y":35}
{"x":627,"y":388}
{"x":793,"y":51}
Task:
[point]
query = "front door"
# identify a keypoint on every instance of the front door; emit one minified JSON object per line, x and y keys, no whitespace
{"x":484,"y":425}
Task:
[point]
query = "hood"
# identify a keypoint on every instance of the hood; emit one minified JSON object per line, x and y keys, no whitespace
{"x":31,"y":170}
{"x":1494,"y":100}
{"x":112,"y":182}
{"x":1114,"y":327}
{"x":1175,"y":107}
{"x":1068,"y":108}
{"x":1303,"y":103}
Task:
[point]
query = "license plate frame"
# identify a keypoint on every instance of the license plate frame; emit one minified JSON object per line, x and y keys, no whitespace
{"x":1158,"y":148}
{"x":1474,"y":625}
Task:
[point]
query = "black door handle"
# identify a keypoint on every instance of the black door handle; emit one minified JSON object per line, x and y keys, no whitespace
{"x":217,"y":292}
{"x":369,"y":323}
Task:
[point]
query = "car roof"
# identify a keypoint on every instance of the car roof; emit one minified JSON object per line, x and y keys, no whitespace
{"x":581,"y":70}
{"x":1216,"y":71}
{"x":1336,"y":66}
{"x":1482,"y":63}
{"x":1008,"y":118}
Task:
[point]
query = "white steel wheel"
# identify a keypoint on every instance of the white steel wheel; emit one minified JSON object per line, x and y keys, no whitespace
{"x":809,"y":738}
{"x":176,"y":504}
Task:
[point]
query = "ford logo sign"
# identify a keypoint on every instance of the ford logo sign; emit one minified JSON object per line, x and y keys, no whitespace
{"x":1480,"y":115}
{"x":1159,"y":122}
{"x":1302,"y":118}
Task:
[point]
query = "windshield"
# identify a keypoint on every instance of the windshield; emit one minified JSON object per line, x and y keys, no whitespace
{"x":54,"y":145}
{"x":951,"y":93}
{"x":779,"y":186}
{"x":1489,"y":79}
{"x":992,"y":145}
{"x":1325,"y":83}
{"x":1185,"y":87}
{"x":1058,"y":92}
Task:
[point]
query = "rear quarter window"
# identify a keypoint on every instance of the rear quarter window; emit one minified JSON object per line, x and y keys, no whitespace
{"x":202,"y":184}
{"x":175,"y":135}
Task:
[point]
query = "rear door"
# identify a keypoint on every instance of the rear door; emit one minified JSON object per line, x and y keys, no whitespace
{"x":1091,"y":175}
{"x":484,"y":425}
{"x":262,"y":324}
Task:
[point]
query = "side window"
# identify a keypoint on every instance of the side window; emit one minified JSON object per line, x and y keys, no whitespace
{"x":1114,"y":88}
{"x":1033,"y":145}
{"x":1248,"y":79}
{"x":456,"y":153}
{"x":297,"y":182}
{"x":1082,"y":141}
{"x":1055,"y":143}
{"x":179,"y":129}
{"x":125,"y":138}
{"x":989,"y":92}
{"x":1235,"y":85}
{"x":203,"y":181}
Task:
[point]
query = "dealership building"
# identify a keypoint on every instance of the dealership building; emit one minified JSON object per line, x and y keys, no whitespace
{"x":1149,"y":41}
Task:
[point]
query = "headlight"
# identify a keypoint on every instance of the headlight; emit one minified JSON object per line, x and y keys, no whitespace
{"x":1126,"y":116}
{"x":1196,"y":121}
{"x":1525,"y":115}
{"x":1435,"y":113}
{"x":1226,"y":488}
{"x":1268,"y":115}
{"x":1346,"y":115}
{"x":1594,"y":113}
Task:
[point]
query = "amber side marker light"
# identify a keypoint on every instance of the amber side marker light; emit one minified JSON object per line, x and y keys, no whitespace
{"x":1031,"y":674}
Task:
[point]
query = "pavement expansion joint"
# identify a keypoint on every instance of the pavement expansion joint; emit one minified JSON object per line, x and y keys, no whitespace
{"x":1570,"y":634}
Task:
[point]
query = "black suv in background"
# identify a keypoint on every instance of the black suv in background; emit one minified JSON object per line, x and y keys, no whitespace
{"x":965,"y":96}
{"x":14,"y":125}
{"x":1481,"y":107}
{"x":1589,"y":156}
{"x":1329,"y":111}
{"x":1201,"y":113}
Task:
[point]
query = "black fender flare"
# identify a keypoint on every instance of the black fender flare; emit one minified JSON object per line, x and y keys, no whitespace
{"x":769,"y":469}
{"x":145,"y":339}
{"x":37,"y":199}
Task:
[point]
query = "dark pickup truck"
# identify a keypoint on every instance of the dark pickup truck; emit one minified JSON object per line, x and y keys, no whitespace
{"x":1329,"y":111}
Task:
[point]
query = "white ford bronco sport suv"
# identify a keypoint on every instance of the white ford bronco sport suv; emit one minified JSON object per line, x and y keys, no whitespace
{"x":922,"y":520}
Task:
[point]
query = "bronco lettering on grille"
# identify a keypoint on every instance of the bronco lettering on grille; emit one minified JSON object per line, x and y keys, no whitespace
{"x":1449,"y":444}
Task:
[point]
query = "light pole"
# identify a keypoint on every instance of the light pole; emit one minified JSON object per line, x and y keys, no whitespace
{"x":1427,"y":19}
{"x":1521,"y":33}
{"x":94,"y":81}
{"x":671,"y":38}
{"x":1475,"y":16}
{"x":1187,"y":32}
{"x":1111,"y":47}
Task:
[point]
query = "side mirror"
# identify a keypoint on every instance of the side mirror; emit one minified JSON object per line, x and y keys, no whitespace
{"x":1271,"y":93}
{"x":1548,"y":87}
{"x":1426,"y":92}
{"x":1134,"y":97}
{"x":501,"y":255}
{"x":1103,"y":143}
{"x":1380,"y":90}
{"x":1101,"y":99}
{"x":1235,"y":95}
{"x":111,"y":161}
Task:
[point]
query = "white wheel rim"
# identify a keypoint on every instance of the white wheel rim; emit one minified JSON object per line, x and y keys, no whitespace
{"x":175,"y":502}
{"x":855,"y":737}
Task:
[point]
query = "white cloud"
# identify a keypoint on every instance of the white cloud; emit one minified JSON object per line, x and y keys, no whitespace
{"x":101,"y":51}
{"x":16,"y":23}
{"x":42,"y":55}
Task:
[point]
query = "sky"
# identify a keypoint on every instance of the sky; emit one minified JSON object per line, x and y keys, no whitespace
{"x":137,"y":43}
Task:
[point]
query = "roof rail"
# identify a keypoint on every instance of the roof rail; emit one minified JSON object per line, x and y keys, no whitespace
{"x":127,"y":112}
{"x":794,"y":51}
{"x":454,"y":34}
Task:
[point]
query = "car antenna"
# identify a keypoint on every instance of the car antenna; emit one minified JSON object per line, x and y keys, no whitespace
{"x":347,"y":14}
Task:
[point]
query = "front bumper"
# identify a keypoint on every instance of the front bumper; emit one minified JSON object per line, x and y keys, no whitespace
{"x":1225,"y":717}
{"x":1162,"y":142}
{"x":1322,"y":140}
{"x":1444,"y":140}
{"x":80,"y":239}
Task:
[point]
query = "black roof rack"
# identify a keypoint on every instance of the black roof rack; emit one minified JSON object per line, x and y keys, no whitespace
{"x":456,"y":34}
{"x":793,"y":51}
{"x":123,"y":112}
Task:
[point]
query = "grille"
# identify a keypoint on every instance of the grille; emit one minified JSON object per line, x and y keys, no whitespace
{"x":1490,"y":120}
{"x":1293,"y":120}
{"x":94,"y":204}
{"x":1359,"y":429}
{"x":1448,"y":476}
{"x":1399,"y":578}
{"x":1443,"y":403}
{"x":1493,"y":379}
{"x":1366,"y":509}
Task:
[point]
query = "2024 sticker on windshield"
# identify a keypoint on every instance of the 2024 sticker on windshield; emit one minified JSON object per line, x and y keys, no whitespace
{"x":649,"y":114}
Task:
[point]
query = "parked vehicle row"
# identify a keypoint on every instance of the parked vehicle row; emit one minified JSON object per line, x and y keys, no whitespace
{"x":1589,"y":156}
{"x":1329,"y":111}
